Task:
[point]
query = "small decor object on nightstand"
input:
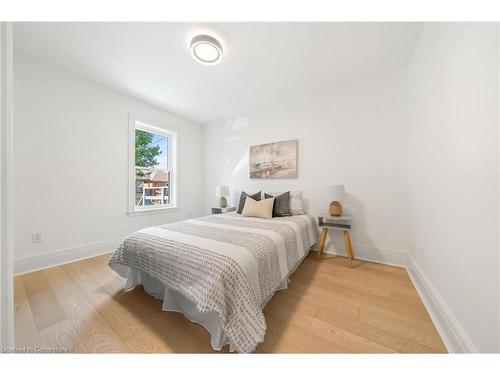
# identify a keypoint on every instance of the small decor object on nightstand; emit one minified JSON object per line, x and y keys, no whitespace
{"x":221,"y":192}
{"x":336,"y":192}
{"x":222,"y":210}
{"x":342,"y":223}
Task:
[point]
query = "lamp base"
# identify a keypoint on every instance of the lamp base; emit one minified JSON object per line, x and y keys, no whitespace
{"x":335,"y":209}
{"x":223,"y":202}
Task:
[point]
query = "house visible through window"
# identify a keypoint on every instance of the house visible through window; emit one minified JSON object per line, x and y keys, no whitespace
{"x":154,"y":167}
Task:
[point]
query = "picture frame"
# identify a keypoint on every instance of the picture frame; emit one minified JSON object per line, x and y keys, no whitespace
{"x":274,"y":160}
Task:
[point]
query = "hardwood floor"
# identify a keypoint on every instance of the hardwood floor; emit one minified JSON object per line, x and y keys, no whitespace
{"x":328,"y":308}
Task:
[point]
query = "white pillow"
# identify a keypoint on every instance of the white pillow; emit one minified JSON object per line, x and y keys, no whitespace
{"x":293,"y":193}
{"x":297,"y":206}
{"x":262,"y":208}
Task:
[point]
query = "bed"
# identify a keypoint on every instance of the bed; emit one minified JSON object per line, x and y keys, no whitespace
{"x":219,"y":270}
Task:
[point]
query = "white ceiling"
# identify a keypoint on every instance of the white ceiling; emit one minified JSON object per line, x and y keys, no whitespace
{"x":262,"y":61}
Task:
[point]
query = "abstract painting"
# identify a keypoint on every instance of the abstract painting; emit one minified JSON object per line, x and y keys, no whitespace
{"x":274,"y":160}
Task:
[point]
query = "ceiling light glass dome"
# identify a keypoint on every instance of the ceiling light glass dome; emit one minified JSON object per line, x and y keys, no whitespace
{"x":206,"y":49}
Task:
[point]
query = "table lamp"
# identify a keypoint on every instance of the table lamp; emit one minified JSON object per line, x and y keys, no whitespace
{"x":336,"y":192}
{"x":221,"y":192}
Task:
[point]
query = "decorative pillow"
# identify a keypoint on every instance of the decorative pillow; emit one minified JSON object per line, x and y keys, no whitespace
{"x":263,"y":208}
{"x":297,"y":206}
{"x":293,"y":193}
{"x":243,"y":196}
{"x":281,"y":204}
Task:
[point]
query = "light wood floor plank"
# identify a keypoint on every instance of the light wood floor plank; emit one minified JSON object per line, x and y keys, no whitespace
{"x":328,"y":308}
{"x":26,"y":332}
{"x":119,"y":318}
{"x":147,"y":342}
{"x":353,"y":343}
{"x":94,"y":332}
{"x":43,"y":303}
{"x":324,"y":292}
{"x":62,"y":335}
{"x":425,"y":334}
{"x":278,"y":343}
{"x":379,"y":334}
{"x":293,"y":335}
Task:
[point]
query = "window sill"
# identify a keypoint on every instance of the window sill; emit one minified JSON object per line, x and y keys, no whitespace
{"x":151,"y":211}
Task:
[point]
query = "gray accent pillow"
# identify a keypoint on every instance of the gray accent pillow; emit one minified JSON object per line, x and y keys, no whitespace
{"x":281,"y":204}
{"x":243,"y":197}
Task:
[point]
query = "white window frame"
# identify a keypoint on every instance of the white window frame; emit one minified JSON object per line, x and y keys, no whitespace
{"x":136,"y":122}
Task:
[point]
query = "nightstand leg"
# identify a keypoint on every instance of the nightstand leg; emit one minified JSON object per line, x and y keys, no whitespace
{"x":322,"y":241}
{"x":348,"y":246}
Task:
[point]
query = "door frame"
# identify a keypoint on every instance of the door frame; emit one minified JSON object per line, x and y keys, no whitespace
{"x":6,"y":201}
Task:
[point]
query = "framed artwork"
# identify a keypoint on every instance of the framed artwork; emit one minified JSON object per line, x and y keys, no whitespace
{"x":274,"y":160}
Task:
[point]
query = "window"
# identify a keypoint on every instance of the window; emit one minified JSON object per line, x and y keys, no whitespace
{"x":152,"y":160}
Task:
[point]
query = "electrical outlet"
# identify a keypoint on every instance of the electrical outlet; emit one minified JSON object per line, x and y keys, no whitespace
{"x":36,"y":237}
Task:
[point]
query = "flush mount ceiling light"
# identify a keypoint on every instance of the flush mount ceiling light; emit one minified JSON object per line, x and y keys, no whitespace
{"x":206,"y":49}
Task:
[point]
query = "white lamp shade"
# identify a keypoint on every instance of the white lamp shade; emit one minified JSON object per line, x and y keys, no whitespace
{"x":336,"y":192}
{"x":222,"y":191}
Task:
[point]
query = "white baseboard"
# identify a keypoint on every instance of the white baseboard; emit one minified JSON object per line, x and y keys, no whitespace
{"x":374,"y":254}
{"x":62,"y":256}
{"x":454,"y":336}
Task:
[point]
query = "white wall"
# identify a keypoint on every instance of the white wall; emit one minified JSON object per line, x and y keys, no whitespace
{"x":354,"y":134}
{"x":453,"y":125}
{"x":70,"y":162}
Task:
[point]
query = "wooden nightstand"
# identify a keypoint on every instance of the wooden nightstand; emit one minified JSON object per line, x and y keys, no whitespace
{"x":220,"y":210}
{"x":342,"y":223}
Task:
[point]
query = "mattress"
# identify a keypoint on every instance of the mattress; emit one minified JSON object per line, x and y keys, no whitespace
{"x":218,"y":270}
